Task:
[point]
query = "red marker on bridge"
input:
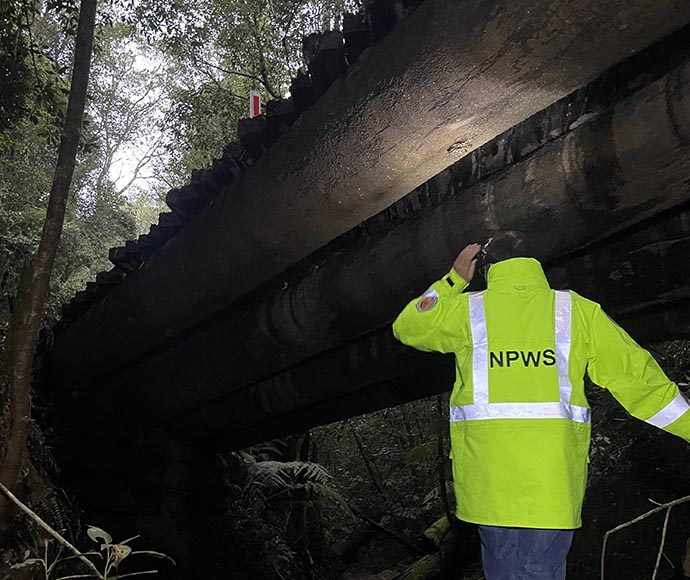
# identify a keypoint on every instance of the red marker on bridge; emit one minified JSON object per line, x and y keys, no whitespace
{"x":254,"y":104}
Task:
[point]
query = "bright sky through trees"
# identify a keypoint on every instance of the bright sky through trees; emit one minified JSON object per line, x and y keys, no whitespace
{"x":169,"y":82}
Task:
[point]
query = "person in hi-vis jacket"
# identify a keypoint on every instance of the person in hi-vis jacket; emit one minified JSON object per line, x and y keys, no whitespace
{"x":519,"y":419}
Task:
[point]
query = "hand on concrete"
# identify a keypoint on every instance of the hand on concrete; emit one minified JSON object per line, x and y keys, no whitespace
{"x":466,"y":262}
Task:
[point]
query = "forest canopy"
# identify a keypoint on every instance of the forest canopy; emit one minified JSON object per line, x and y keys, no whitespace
{"x":169,"y":82}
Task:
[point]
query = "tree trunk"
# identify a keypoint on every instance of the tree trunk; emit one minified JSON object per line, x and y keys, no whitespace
{"x":368,"y":464}
{"x":441,"y":457}
{"x":26,"y":322}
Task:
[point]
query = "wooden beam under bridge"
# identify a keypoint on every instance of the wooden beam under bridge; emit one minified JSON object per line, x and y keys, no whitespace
{"x":642,"y":278}
{"x":448,"y":79}
{"x":582,"y":186}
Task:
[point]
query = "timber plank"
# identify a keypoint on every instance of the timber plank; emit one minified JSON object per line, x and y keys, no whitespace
{"x":363,"y":288}
{"x":213,"y":263}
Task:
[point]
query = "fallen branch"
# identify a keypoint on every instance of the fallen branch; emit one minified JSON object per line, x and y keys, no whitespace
{"x":29,"y":512}
{"x":414,"y":549}
{"x":661,"y":545}
{"x":661,"y":507}
{"x":441,"y":458}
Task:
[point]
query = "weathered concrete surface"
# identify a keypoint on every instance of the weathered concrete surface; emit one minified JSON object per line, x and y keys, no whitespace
{"x":448,"y":79}
{"x":641,"y":278}
{"x":617,"y":170}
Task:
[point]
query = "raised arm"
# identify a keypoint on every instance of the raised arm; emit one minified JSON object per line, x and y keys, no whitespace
{"x":617,"y":363}
{"x":423,"y":323}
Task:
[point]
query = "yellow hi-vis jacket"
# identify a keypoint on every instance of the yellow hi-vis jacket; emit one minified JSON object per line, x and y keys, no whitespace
{"x":519,"y":419}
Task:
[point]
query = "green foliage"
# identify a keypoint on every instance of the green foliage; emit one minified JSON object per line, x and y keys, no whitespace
{"x":220,"y":50}
{"x":14,"y":85}
{"x":33,"y":83}
{"x":204,"y":120}
{"x":275,"y":476}
{"x":169,"y":83}
{"x":99,"y":213}
{"x":275,"y":516}
{"x":115,"y":553}
{"x":99,"y":535}
{"x":108,"y":557}
{"x":438,"y":530}
{"x":25,"y":177}
{"x":425,"y":569}
{"x":169,"y":104}
{"x":400,"y":446}
{"x":425,"y":452}
{"x":434,"y":497}
{"x":94,"y":222}
{"x":674,"y":357}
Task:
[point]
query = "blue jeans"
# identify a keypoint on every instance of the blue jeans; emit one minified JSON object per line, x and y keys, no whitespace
{"x":524,"y":553}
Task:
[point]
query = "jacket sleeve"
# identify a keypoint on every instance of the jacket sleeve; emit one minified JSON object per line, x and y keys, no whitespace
{"x":617,"y":363}
{"x":423,"y":323}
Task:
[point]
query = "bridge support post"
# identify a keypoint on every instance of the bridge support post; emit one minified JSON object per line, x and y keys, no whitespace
{"x":149,"y":484}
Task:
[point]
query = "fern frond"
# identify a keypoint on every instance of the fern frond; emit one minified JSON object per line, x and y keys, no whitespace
{"x":280,"y":475}
{"x":435,"y":495}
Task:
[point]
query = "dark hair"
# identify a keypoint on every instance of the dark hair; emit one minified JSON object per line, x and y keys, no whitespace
{"x":505,"y":245}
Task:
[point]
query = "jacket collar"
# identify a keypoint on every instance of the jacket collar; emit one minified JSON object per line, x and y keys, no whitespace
{"x":517,"y":272}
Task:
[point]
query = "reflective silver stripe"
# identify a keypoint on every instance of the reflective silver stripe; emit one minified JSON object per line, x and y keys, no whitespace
{"x":521,"y":411}
{"x":481,"y":409}
{"x":480,"y":355}
{"x":430,"y":293}
{"x":563,"y":329}
{"x":671,"y":412}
